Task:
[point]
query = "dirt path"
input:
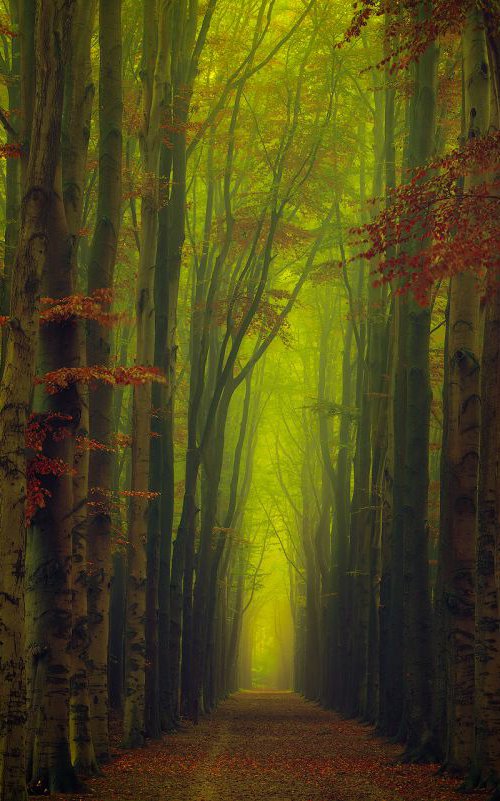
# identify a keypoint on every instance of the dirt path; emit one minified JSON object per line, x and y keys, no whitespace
{"x":261,"y":746}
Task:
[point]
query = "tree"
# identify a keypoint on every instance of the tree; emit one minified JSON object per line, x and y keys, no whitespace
{"x":462,"y":444}
{"x":99,"y":351}
{"x":53,"y":26}
{"x":155,"y":73}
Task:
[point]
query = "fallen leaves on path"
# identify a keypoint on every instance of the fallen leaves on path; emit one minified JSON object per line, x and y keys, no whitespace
{"x":261,"y":746}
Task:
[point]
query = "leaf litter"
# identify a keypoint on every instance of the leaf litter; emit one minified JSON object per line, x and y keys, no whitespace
{"x":265,"y":745}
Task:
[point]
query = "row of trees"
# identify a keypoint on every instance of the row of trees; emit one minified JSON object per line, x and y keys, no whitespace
{"x":218,"y":352}
{"x":393,"y":524}
{"x":172,"y":153}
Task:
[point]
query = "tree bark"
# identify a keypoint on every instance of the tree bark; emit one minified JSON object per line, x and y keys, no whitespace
{"x":49,"y":553}
{"x":155,"y":76}
{"x":418,"y":661}
{"x":486,"y":765}
{"x":78,"y":102}
{"x":99,"y":351}
{"x":53,"y":25}
{"x":462,"y":445}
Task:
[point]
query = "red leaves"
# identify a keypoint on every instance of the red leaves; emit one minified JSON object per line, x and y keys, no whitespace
{"x":10,"y":151}
{"x":80,"y":307}
{"x":147,"y":496}
{"x":40,"y":427}
{"x":272,"y":745}
{"x":454,"y":231}
{"x":87,"y":444}
{"x":107,"y":501}
{"x":56,"y":427}
{"x":363,"y":12}
{"x":408,"y":38}
{"x":123,"y":440}
{"x":61,"y":379}
{"x":37,"y":496}
{"x":77,"y":307}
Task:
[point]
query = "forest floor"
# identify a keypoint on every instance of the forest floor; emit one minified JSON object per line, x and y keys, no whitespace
{"x":263,"y":745}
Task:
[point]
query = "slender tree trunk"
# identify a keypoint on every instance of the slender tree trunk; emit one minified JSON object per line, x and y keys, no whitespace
{"x":359,"y":542}
{"x":418,"y":663}
{"x":385,"y":500}
{"x":186,"y":525}
{"x":235,"y":644}
{"x":339,"y":554}
{"x":27,"y":27}
{"x":376,"y":400}
{"x":387,"y":466}
{"x":99,"y":347}
{"x":78,"y":102}
{"x":12,"y":177}
{"x":156,"y":65}
{"x":184,"y":60}
{"x":207,"y":557}
{"x":117,"y":605}
{"x":159,"y":715}
{"x":396,"y":586}
{"x":312,"y":648}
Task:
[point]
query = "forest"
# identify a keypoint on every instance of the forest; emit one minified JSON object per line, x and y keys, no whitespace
{"x":250,"y":399}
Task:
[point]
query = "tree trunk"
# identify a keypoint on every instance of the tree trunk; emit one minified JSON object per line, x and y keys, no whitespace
{"x":339,"y":553}
{"x":52,"y":26}
{"x":12,"y":178}
{"x":155,"y":76}
{"x":462,"y":443}
{"x":158,"y":710}
{"x":78,"y":102}
{"x":51,"y":546}
{"x":99,"y":347}
{"x":487,"y":709}
{"x":486,"y":765}
{"x":117,"y":605}
{"x":418,"y":662}
{"x":359,"y":542}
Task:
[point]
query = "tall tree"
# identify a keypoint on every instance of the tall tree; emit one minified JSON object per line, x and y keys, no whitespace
{"x":417,"y":608}
{"x":53,"y":27}
{"x":188,"y":39}
{"x":486,"y":762}
{"x":458,"y":539}
{"x":155,"y":78}
{"x":78,"y":103}
{"x":99,"y":351}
